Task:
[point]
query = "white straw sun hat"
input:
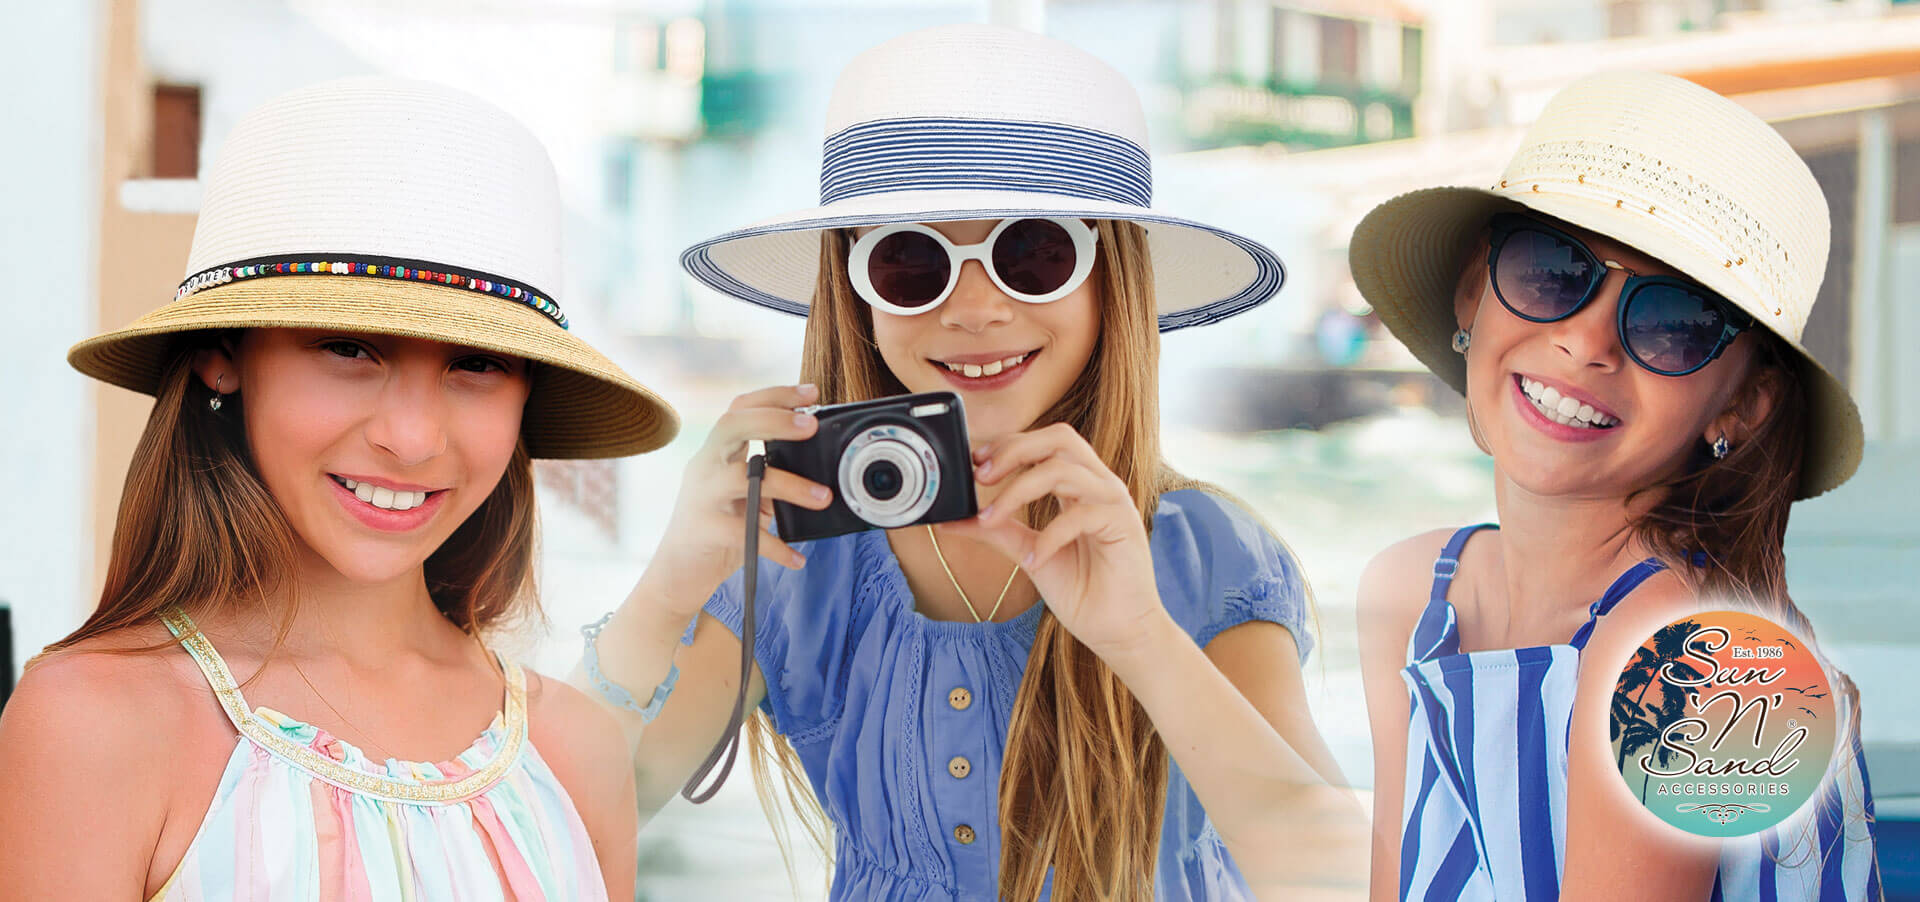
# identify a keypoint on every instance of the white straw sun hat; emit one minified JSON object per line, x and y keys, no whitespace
{"x":967,"y":122}
{"x":1661,"y":165}
{"x":394,"y":207}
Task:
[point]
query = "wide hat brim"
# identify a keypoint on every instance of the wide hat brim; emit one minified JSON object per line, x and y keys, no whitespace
{"x":1406,"y":254}
{"x":1202,"y":274}
{"x":582,"y":405}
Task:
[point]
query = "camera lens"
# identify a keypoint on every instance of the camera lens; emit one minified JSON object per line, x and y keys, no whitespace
{"x":889,"y":475}
{"x":882,"y":479}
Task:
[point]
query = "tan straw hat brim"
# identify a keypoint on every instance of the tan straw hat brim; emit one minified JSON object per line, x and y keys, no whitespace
{"x":1407,"y":253}
{"x":582,"y":405}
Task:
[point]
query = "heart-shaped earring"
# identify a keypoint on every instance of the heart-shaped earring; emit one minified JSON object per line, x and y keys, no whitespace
{"x":214,"y":402}
{"x":1461,"y":340}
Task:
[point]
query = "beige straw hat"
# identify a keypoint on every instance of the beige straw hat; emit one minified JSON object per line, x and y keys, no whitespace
{"x":1664,"y":166}
{"x":393,"y":207}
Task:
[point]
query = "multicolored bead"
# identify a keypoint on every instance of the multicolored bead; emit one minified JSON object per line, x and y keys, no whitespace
{"x":221,"y":275}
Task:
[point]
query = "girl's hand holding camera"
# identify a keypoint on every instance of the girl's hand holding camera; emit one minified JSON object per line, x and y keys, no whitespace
{"x":702,"y":546}
{"x":1092,"y":564}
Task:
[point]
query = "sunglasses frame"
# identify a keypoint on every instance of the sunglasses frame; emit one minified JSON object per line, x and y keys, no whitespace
{"x":1736,"y":320}
{"x":1085,"y":239}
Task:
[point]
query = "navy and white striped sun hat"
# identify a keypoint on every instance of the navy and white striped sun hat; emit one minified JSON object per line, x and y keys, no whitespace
{"x":964,"y":122}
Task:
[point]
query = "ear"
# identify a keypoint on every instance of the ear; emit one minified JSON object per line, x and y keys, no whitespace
{"x":215,"y":368}
{"x":1471,"y":285}
{"x":1750,"y":406}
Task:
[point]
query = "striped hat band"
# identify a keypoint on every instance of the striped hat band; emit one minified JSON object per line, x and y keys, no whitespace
{"x":923,"y":154}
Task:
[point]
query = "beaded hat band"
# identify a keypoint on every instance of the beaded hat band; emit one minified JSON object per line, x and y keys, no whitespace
{"x":386,"y":206}
{"x":346,"y":265}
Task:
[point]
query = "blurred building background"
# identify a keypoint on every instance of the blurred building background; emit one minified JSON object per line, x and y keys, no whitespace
{"x":672,"y":120}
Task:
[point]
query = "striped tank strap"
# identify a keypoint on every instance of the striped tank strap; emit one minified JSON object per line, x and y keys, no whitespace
{"x":1436,"y":634}
{"x":1622,"y":584}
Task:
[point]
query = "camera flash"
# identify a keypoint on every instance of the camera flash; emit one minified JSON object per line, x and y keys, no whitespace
{"x":930,"y":410}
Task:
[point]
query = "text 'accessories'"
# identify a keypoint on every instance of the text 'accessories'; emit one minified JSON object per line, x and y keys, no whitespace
{"x":386,"y":206}
{"x":980,"y":122}
{"x":1658,"y":164}
{"x":908,"y":268}
{"x":1668,"y":325}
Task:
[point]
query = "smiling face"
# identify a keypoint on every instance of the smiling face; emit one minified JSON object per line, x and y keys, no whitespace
{"x":1625,"y":428}
{"x":1009,"y":360}
{"x":375,"y":448}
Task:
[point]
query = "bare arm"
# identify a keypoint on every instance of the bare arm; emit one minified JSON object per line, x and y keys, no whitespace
{"x":703,"y":546}
{"x":1616,"y":848}
{"x":78,"y":756}
{"x":582,"y":745}
{"x":1234,"y":717}
{"x":1393,"y":590}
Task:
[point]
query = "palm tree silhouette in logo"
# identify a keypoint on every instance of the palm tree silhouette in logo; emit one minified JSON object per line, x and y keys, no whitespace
{"x":1635,"y":724}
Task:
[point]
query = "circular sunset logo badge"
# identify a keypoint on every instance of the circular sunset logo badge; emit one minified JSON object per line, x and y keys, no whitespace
{"x":1723,"y":723}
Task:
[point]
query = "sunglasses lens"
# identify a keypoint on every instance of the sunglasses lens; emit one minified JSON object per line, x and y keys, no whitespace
{"x":1542,"y":277}
{"x":1034,"y":257}
{"x":1671,"y":329}
{"x":908,"y":269}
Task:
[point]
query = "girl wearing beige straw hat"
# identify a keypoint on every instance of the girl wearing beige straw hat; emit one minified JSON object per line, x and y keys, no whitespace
{"x":984,"y":708}
{"x":279,"y":692}
{"x":1623,"y":312}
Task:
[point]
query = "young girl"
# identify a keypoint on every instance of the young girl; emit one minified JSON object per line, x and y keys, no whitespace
{"x":984,"y":230}
{"x":1622,"y":312}
{"x":331,"y":504}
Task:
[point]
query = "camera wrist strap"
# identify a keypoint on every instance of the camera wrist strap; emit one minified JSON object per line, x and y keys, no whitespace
{"x":728,"y":745}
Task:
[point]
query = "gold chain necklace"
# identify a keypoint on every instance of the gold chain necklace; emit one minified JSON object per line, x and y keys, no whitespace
{"x":956,"y":583}
{"x":364,"y":735}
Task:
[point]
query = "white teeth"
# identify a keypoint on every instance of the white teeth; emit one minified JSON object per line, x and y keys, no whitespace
{"x":976,"y":370}
{"x":1563,"y":409}
{"x":384,"y":498}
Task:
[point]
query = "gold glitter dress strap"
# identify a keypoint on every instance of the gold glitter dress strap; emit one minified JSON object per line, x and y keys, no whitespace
{"x":218,"y":676}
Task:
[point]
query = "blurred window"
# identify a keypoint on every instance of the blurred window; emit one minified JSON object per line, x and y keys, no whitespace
{"x":176,"y":132}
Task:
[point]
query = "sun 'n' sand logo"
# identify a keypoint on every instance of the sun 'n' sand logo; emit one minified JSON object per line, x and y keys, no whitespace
{"x":1723,"y":723}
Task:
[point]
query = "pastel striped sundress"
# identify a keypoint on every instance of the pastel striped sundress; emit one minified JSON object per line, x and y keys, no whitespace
{"x":300,"y":814}
{"x":1485,"y":800}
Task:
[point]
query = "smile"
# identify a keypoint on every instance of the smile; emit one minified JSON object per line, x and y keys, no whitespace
{"x":1565,"y":410}
{"x":992,"y":372}
{"x":382,"y":497}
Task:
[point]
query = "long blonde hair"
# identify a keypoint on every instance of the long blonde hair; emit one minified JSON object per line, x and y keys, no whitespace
{"x":1084,"y":784}
{"x":198,"y":529}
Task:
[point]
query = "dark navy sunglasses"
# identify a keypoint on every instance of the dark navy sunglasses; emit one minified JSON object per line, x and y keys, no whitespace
{"x":1668,"y":325}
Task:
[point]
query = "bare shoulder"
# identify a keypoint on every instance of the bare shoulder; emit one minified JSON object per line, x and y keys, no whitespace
{"x":1663,"y":598}
{"x":579,"y":739}
{"x":135,"y":681}
{"x":1394,"y":588}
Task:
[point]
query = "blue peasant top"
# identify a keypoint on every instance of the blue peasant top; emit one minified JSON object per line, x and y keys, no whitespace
{"x":901,"y":721}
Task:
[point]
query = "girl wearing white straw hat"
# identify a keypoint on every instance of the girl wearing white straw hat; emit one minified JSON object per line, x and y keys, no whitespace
{"x":961,"y":738}
{"x":1623,"y":312}
{"x":331,"y":504}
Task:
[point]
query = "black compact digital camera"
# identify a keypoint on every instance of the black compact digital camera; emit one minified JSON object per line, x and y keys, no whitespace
{"x":890,"y":462}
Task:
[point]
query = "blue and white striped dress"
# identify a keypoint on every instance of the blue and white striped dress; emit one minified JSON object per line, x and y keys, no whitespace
{"x":1485,"y":804}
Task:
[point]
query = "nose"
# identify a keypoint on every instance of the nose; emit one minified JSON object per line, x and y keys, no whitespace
{"x":976,"y":302}
{"x":409,"y":417}
{"x":1591,"y":337}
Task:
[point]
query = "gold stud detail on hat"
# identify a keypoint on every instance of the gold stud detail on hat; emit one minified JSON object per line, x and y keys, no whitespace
{"x":1503,"y":183}
{"x":1581,"y":178}
{"x":1616,"y":204}
{"x":1536,"y":189}
{"x":1649,"y":208}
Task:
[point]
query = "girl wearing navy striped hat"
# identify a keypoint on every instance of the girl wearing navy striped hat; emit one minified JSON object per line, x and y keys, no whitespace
{"x":960,"y":738}
{"x":1623,"y":312}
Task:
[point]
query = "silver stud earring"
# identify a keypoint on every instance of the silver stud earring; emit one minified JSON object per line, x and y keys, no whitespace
{"x":1720,"y":447}
{"x":1461,"y":340}
{"x":214,"y":402}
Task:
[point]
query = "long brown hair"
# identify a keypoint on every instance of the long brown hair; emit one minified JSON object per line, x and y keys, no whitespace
{"x":198,"y":529}
{"x":1084,"y":784}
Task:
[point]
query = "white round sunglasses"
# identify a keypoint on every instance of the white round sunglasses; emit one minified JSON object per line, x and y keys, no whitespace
{"x":907,"y":268}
